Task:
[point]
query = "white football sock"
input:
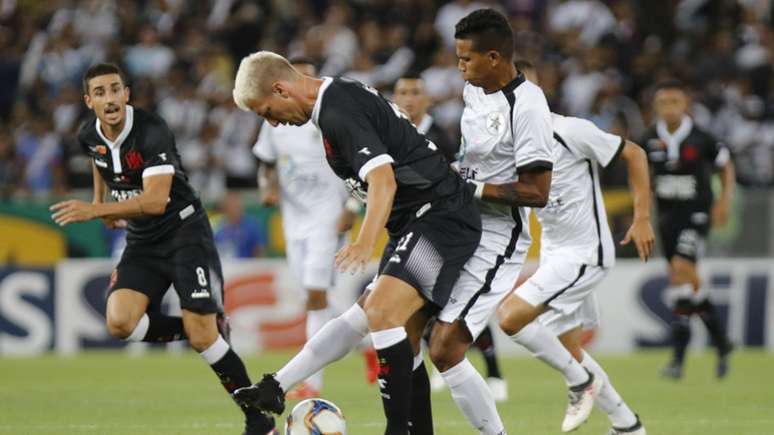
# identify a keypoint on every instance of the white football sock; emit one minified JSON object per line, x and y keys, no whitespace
{"x":546,"y":347}
{"x":608,"y":398}
{"x":473,"y":397}
{"x":315,"y":320}
{"x":216,"y":351}
{"x":332,"y":342}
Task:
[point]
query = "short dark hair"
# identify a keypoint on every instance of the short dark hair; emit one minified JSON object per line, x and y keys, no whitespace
{"x":670,"y":84}
{"x":101,"y":69}
{"x":488,"y":29}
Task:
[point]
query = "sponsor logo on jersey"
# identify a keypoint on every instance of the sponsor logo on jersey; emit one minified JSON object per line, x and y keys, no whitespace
{"x":100,"y":149}
{"x":123,"y":195}
{"x":163,"y":157}
{"x":676,"y":186}
{"x":133,"y":160}
{"x":365,"y":151}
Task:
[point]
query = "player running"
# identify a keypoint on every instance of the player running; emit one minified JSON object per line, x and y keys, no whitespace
{"x":169,"y":237}
{"x":683,"y":158}
{"x":576,"y":254}
{"x":294,"y":171}
{"x":408,"y":188}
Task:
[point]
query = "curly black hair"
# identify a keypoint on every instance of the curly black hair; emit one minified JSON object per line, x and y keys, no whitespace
{"x":489,"y":30}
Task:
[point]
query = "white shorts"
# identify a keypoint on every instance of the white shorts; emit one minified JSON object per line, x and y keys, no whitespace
{"x":567,"y":289}
{"x":586,"y":316}
{"x":483,"y":283}
{"x":312,"y":259}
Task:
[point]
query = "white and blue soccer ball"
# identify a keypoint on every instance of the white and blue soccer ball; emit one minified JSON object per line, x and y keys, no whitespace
{"x":315,"y":417}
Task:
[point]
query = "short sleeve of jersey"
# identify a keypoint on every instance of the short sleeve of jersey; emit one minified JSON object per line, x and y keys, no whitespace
{"x":356,"y":139}
{"x":159,"y":150}
{"x":589,"y":141}
{"x":264,"y":147}
{"x":532,"y":130}
{"x":719,"y":152}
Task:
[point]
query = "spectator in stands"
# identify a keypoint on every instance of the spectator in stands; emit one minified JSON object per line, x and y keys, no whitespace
{"x":237,"y":234}
{"x":10,"y":166}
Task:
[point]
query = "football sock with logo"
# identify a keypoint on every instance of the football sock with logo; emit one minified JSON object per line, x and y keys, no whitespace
{"x":485,"y":343}
{"x":421,"y":419}
{"x":473,"y":397}
{"x":395,"y":364}
{"x":232,"y":374}
{"x":158,"y":328}
{"x":709,"y":316}
{"x":315,"y":319}
{"x":608,"y":399}
{"x":332,"y":342}
{"x":546,"y":347}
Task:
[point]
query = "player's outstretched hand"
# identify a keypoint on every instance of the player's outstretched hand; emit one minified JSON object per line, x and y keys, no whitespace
{"x":641,"y":232}
{"x":72,"y":211}
{"x":353,"y":257}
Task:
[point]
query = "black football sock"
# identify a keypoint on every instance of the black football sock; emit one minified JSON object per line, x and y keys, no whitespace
{"x":163,"y":328}
{"x":485,"y":343}
{"x":421,"y":419}
{"x":395,"y":373}
{"x":681,"y":336}
{"x":709,"y":315}
{"x":232,"y":374}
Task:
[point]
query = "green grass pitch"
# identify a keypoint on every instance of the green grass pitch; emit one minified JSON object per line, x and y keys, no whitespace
{"x":112,"y":393}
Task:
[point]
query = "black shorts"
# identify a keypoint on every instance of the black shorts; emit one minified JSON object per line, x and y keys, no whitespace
{"x":432,"y":249}
{"x":683,"y":233}
{"x":187,"y":259}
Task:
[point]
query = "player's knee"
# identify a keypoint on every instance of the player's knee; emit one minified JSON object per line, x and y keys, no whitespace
{"x":120,"y":325}
{"x":447,"y":355}
{"x":378,"y":317}
{"x":509,"y":320}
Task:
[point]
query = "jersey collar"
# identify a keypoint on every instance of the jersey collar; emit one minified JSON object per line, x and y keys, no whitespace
{"x":316,"y":110}
{"x":519,"y":79}
{"x":673,"y":141}
{"x":124,"y":133}
{"x":425,"y":124}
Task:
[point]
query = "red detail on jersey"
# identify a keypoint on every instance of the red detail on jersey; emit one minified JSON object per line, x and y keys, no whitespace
{"x":133,"y":159}
{"x":101,"y":149}
{"x":690,"y":153}
{"x":328,"y":148}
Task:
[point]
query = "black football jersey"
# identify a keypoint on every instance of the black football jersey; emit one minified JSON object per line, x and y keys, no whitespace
{"x":682,"y":165}
{"x":362,"y":130}
{"x":145,"y":147}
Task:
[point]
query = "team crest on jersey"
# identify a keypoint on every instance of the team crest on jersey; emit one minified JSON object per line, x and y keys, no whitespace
{"x":689,"y":153}
{"x":495,"y":123}
{"x":133,"y":159}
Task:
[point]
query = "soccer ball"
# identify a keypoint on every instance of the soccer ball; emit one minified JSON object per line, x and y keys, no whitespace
{"x":315,"y":417}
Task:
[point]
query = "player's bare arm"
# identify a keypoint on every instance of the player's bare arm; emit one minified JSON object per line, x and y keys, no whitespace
{"x":153,"y":201}
{"x":530,"y":191}
{"x":641,"y":230}
{"x":381,"y":192}
{"x":723,"y":203}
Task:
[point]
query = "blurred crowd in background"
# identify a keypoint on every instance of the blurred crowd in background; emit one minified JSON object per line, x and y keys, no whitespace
{"x":596,"y":59}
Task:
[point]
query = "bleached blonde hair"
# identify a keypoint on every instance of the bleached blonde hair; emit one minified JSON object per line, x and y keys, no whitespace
{"x":256,"y":74}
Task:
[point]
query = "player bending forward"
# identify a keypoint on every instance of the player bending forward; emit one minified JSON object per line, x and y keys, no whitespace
{"x":169,"y":240}
{"x":408,"y":187}
{"x":577,"y":253}
{"x":294,"y":171}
